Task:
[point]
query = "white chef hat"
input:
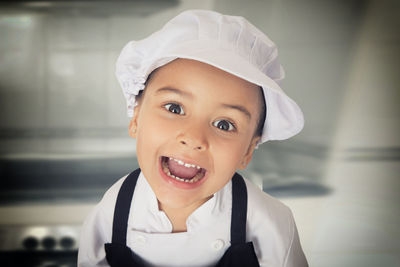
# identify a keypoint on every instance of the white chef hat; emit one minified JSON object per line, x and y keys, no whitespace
{"x":230,"y":43}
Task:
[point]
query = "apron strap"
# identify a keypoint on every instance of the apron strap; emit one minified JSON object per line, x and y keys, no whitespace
{"x":239,"y":210}
{"x":122,"y":208}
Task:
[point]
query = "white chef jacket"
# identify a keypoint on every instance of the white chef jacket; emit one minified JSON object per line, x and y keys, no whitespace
{"x":270,"y":226}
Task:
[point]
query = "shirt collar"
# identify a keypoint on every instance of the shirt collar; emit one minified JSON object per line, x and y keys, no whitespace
{"x":208,"y":211}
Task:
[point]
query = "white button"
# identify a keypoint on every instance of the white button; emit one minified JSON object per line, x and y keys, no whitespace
{"x":218,"y":244}
{"x":140,"y":240}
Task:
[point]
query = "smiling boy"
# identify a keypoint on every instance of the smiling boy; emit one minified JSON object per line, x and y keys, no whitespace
{"x":199,"y":108}
{"x":200,"y":115}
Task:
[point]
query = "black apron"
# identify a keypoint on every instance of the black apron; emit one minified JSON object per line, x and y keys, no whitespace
{"x":239,"y":254}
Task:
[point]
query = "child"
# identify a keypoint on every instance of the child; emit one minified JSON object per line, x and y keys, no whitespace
{"x":202,"y":93}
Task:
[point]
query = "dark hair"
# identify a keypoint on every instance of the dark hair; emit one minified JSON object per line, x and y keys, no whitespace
{"x":263,"y":107}
{"x":263,"y":112}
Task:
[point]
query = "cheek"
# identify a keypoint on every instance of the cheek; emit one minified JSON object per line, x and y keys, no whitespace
{"x":153,"y":131}
{"x":229,"y":154}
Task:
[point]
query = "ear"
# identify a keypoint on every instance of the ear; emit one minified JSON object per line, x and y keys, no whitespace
{"x":249,"y":154}
{"x":133,"y":124}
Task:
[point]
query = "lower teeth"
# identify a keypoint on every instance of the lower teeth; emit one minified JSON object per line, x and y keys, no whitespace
{"x":192,"y":180}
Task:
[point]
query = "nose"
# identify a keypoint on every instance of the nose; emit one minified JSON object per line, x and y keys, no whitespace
{"x":193,"y":137}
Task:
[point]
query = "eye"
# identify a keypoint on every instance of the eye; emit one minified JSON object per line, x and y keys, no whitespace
{"x":174,"y":108}
{"x":224,"y":125}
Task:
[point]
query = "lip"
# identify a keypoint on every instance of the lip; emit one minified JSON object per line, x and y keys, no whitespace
{"x":180,"y":184}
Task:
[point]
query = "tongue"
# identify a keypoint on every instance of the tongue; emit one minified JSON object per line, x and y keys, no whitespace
{"x":181,"y":171}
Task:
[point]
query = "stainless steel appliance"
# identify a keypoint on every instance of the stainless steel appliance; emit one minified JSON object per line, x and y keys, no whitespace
{"x":43,"y":201}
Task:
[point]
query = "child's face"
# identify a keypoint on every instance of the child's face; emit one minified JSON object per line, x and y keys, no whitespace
{"x":198,"y":114}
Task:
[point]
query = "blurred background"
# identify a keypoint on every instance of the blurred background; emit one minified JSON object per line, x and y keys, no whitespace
{"x":64,"y":137}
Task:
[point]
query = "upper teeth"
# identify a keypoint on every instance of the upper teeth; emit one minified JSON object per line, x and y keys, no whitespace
{"x":187,"y":165}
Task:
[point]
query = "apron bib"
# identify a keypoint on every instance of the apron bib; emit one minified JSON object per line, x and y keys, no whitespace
{"x":239,"y":254}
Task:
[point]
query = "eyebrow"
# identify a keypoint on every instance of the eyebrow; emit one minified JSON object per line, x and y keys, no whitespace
{"x":239,"y":108}
{"x":173,"y":90}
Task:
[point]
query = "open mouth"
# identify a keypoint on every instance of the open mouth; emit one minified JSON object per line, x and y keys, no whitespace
{"x":182,"y":171}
